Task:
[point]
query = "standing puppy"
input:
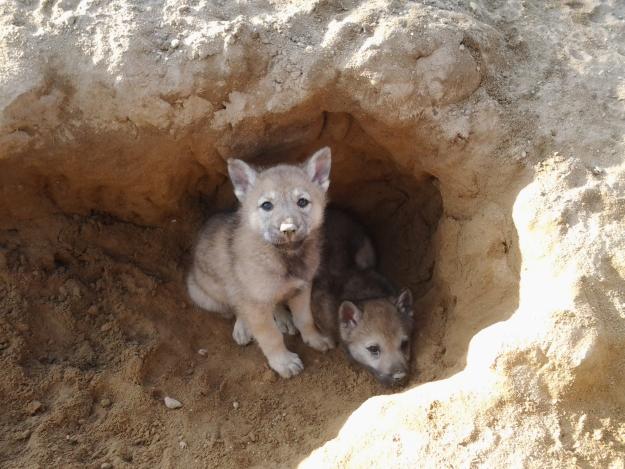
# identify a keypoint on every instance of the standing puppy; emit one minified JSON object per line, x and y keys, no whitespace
{"x":264,"y":254}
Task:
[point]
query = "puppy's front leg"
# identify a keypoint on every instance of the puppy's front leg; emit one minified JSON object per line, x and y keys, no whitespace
{"x":262,"y":326}
{"x":302,"y":317}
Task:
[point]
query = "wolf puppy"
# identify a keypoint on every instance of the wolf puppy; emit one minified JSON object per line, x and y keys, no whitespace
{"x":358,"y":306}
{"x":265,"y":254}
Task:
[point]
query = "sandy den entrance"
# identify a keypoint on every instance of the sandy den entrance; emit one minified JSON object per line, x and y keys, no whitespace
{"x":97,"y":326}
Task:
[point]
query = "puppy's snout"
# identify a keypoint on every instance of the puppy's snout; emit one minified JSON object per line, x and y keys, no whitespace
{"x":399,"y":375}
{"x":288,"y":227}
{"x":396,"y":377}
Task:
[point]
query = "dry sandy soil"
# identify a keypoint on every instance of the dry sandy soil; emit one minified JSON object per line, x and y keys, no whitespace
{"x":482,"y":144}
{"x":97,"y":328}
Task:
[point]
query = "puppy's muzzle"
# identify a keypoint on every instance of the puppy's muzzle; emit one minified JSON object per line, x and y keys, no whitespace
{"x":288,"y":229}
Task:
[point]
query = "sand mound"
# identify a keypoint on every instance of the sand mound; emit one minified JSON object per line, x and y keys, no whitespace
{"x":480,"y":142}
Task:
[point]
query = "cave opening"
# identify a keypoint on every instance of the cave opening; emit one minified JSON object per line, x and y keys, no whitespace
{"x":116,"y":308}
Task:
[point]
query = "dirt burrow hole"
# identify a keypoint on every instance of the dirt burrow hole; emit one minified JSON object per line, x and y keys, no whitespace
{"x":97,"y":326}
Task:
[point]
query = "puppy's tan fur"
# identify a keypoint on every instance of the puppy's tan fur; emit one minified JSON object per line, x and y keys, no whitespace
{"x":264,"y":254}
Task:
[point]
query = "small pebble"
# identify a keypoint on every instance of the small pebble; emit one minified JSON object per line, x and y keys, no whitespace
{"x":105,"y":402}
{"x":174,"y":43}
{"x":106,"y":465}
{"x":34,"y":407}
{"x":597,"y":171}
{"x":523,"y":154}
{"x":461,"y":47}
{"x":172,"y":403}
{"x":183,"y":445}
{"x":235,"y":405}
{"x":107,"y":326}
{"x":203,"y":352}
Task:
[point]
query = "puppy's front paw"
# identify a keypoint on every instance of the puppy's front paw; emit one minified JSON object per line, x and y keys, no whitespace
{"x":319,"y":341}
{"x":286,"y":365}
{"x":240,"y":334}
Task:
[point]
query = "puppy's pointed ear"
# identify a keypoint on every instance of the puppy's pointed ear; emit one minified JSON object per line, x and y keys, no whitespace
{"x":349,"y":315}
{"x":242,"y":176}
{"x":318,"y":167}
{"x":404,"y":302}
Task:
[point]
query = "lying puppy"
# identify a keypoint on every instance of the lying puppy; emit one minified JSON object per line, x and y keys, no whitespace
{"x":356,"y":305}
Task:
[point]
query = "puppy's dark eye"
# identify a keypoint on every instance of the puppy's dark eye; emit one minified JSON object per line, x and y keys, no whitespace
{"x":374,"y":350}
{"x":302,"y":202}
{"x":266,"y":206}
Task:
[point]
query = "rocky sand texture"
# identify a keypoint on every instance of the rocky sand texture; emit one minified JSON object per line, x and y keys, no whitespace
{"x":482,"y":143}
